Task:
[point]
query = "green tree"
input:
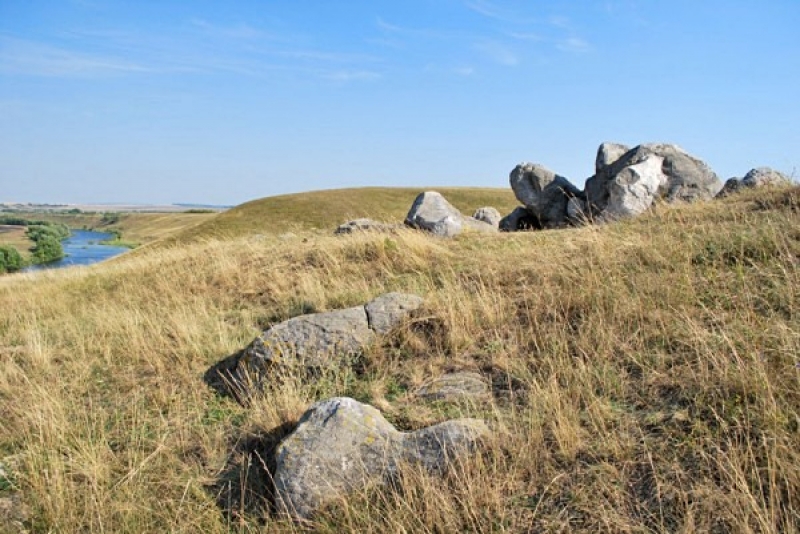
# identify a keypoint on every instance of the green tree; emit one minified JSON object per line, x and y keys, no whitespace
{"x":10,"y":260}
{"x":48,"y":248}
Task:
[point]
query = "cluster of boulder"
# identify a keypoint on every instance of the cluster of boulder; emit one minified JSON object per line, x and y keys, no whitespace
{"x":627,"y":182}
{"x":341,"y":445}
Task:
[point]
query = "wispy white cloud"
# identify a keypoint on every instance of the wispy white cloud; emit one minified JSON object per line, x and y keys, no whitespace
{"x":464,"y":71}
{"x":351,"y":75}
{"x":498,"y":52}
{"x":498,"y":12}
{"x":22,"y":56}
{"x":573,"y":44}
{"x":526,"y":36}
{"x":239,"y":31}
{"x":195,"y":47}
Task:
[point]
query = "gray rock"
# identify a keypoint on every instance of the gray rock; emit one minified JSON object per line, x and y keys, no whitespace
{"x":311,"y":340}
{"x":578,"y":211}
{"x":456,"y":387}
{"x":764,"y":176}
{"x":634,"y":188}
{"x":432,"y":212}
{"x":322,"y":339}
{"x":687,"y":177}
{"x":391,"y":309}
{"x":544,"y":193}
{"x":608,"y":154}
{"x":732,"y":185}
{"x":14,"y":514}
{"x":488,"y":215}
{"x":519,"y":219}
{"x":439,"y":446}
{"x":363,"y":225}
{"x":341,"y":446}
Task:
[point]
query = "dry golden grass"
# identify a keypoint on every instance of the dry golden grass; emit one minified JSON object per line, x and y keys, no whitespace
{"x":646,"y":377}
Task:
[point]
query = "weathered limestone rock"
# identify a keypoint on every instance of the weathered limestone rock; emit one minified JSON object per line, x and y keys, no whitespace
{"x":634,"y":188}
{"x":432,"y":212}
{"x":578,"y":211}
{"x":608,"y":154}
{"x":389,"y":310}
{"x":341,"y":445}
{"x":544,"y":193}
{"x":321,"y":339}
{"x":519,"y":219}
{"x":456,"y":387}
{"x":488,"y":215}
{"x":687,"y":178}
{"x":363,"y":225}
{"x":439,"y":446}
{"x":764,"y":176}
{"x":732,"y":185}
{"x":311,"y":340}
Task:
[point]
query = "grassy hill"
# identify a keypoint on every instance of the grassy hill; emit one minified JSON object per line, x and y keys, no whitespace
{"x":646,"y":374}
{"x":325,"y":210}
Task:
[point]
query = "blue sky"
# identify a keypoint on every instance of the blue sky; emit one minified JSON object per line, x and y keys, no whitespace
{"x":222,"y":102}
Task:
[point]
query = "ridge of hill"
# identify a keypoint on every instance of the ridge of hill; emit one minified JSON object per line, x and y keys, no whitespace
{"x":326,"y":209}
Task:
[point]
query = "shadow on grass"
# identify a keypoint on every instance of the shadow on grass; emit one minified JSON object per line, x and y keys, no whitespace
{"x":245,"y":490}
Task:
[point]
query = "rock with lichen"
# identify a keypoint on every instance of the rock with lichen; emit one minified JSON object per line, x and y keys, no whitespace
{"x":341,"y":446}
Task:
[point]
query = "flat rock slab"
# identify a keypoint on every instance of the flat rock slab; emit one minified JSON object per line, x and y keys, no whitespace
{"x":456,"y":387}
{"x":320,"y":339}
{"x":364,"y":225}
{"x":341,"y":445}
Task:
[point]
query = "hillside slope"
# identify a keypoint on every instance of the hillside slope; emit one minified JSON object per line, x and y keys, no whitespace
{"x":325,"y":210}
{"x":645,"y":377}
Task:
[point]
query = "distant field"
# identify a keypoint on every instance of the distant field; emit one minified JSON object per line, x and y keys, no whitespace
{"x":15,"y":236}
{"x":327,"y":209}
{"x":136,"y":228}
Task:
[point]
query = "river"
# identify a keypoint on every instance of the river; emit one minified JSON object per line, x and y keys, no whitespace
{"x":83,"y":248}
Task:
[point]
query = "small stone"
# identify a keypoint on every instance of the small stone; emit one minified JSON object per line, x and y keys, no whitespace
{"x":456,"y":387}
{"x":488,"y":215}
{"x":363,"y":225}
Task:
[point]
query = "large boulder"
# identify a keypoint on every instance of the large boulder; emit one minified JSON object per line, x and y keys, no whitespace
{"x":432,"y":212}
{"x":607,"y":155}
{"x":634,"y":188}
{"x":322,"y":339}
{"x":544,"y":193}
{"x":341,"y":445}
{"x":687,"y":177}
